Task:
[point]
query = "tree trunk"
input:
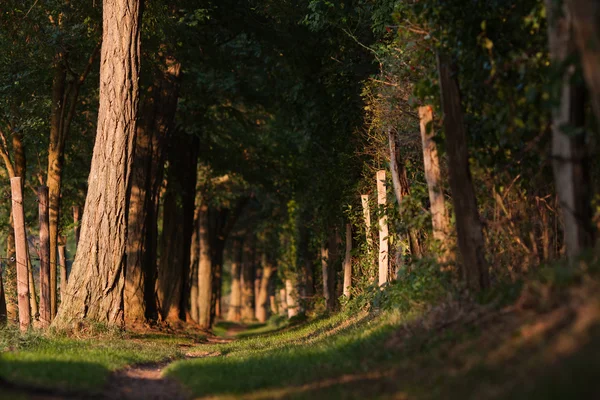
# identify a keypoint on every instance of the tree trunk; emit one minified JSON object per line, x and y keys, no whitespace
{"x":62,"y":263}
{"x":468,"y":224}
{"x":291,"y":303}
{"x":10,"y":283}
{"x":348,"y":262}
{"x":305,"y":259}
{"x":402,"y":188}
{"x":364,"y":198}
{"x":95,"y":290}
{"x":282,"y":302}
{"x":21,"y":251}
{"x":586,"y":25}
{"x":158,"y":114}
{"x":384,"y":262}
{"x":431,"y":163}
{"x":257,"y":279}
{"x":173,"y":271}
{"x":3,"y":312}
{"x":204,"y":270}
{"x":569,"y":154}
{"x":195,"y":259}
{"x":262,"y":309}
{"x":32,"y":295}
{"x":235,"y":303}
{"x":45,"y":310}
{"x":248,"y":274}
{"x":325,"y":274}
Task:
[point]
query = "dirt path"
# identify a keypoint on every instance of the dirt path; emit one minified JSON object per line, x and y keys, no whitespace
{"x":143,"y":382}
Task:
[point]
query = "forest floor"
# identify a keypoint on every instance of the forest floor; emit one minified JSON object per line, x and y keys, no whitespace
{"x":544,"y":345}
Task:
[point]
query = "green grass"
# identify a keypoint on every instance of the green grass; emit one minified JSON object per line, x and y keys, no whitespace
{"x":53,"y":361}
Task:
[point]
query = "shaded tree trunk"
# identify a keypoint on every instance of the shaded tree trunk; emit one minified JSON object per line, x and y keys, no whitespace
{"x":45,"y":310}
{"x":431,"y":163}
{"x":172,"y":285}
{"x":468,"y":224}
{"x":248,"y":274}
{"x":235,"y":304}
{"x":157,"y":117}
{"x":10,"y":284}
{"x":95,"y":290}
{"x":305,"y":259}
{"x":569,"y":154}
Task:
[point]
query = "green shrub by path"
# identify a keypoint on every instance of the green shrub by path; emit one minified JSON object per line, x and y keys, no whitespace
{"x":57,"y":361}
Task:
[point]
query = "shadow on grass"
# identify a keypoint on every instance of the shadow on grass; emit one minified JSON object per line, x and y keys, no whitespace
{"x":52,"y":377}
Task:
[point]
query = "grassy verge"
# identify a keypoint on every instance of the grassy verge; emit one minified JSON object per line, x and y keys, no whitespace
{"x":78,"y":364}
{"x":545,"y":345}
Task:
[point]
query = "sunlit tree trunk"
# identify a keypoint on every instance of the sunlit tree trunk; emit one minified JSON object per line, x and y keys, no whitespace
{"x":569,"y":154}
{"x":204,"y":270}
{"x":348,"y":261}
{"x":45,"y":310}
{"x":468,"y":224}
{"x":10,"y":273}
{"x":262,"y":309}
{"x":95,"y":289}
{"x":291,"y":299}
{"x":384,"y":256}
{"x":235,"y":304}
{"x":433,"y":176}
{"x":21,"y":252}
{"x":195,"y":258}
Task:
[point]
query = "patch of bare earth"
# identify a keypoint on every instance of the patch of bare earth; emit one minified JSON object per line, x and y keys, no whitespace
{"x":144,"y":382}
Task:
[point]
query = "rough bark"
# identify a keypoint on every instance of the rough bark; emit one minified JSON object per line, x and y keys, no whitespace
{"x":402,"y":188}
{"x":45,"y":310}
{"x":21,"y":252}
{"x":95,"y":290}
{"x":235,"y":304}
{"x":348,"y":261}
{"x":569,"y":153}
{"x":468,"y":224}
{"x":173,"y":270}
{"x":157,"y":115}
{"x":204,"y":270}
{"x":431,"y":163}
{"x":384,"y":264}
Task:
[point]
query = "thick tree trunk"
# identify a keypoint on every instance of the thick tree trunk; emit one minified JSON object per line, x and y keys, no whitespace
{"x":204,"y":270}
{"x":431,"y":163}
{"x":173,"y":271}
{"x":21,"y":251}
{"x":153,"y":132}
{"x":10,"y":274}
{"x":248,"y":275}
{"x":45,"y":310}
{"x":348,"y":261}
{"x":468,"y":224}
{"x":569,"y":154}
{"x":95,"y":290}
{"x":235,"y":304}
{"x":384,"y":259}
{"x":402,"y":188}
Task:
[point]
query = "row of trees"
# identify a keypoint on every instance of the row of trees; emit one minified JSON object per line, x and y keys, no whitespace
{"x":236,"y":144}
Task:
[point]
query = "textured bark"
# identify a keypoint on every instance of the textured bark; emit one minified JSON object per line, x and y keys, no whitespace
{"x":172,"y":286}
{"x":248,"y":274}
{"x":586,"y":25}
{"x":431,"y":163}
{"x":263,"y":306}
{"x":204,"y":270}
{"x":45,"y":310}
{"x":468,"y":224}
{"x":348,"y":261}
{"x":95,"y":290}
{"x":157,"y":115}
{"x":569,"y":154}
{"x":384,"y":262}
{"x":21,"y":252}
{"x":10,"y":273}
{"x":235,"y":304}
{"x":402,"y":188}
